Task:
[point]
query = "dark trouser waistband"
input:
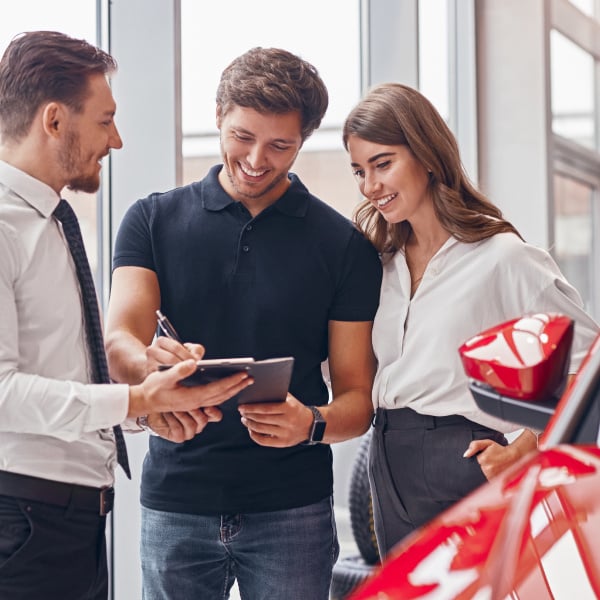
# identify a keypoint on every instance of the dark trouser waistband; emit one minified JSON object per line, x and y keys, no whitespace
{"x":98,"y":500}
{"x":406,"y":418}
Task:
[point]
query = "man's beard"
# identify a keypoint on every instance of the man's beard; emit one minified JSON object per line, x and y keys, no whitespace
{"x":71,"y":161}
{"x":250,"y":194}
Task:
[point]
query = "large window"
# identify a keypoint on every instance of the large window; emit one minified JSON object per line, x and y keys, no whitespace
{"x":573,"y":111}
{"x":434,"y":54}
{"x":446,"y":69}
{"x":575,"y":105}
{"x":574,"y":223}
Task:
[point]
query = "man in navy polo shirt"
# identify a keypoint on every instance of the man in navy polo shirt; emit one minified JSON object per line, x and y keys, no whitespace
{"x":248,"y":263}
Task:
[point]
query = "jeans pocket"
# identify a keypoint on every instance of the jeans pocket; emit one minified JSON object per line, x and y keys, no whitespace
{"x":16,"y":529}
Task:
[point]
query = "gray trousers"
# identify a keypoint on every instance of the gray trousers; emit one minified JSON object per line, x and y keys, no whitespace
{"x":417,"y":469}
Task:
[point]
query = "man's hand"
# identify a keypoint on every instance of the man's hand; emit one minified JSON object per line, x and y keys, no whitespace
{"x":166,"y":351}
{"x":494,"y":458}
{"x":181,"y":426}
{"x":161,"y":392}
{"x":277,"y":424}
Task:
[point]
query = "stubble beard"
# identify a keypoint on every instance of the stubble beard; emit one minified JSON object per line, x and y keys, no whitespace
{"x":71,"y":161}
{"x":249,"y":194}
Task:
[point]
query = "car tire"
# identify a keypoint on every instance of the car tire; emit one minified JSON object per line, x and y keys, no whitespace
{"x":361,"y":505}
{"x":348,"y":573}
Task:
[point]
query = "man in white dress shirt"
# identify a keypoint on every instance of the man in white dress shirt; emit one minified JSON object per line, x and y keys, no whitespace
{"x":57,"y":446}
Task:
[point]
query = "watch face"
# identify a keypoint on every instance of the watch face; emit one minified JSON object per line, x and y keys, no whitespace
{"x":318,"y":431}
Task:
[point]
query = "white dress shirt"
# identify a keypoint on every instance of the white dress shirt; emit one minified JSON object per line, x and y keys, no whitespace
{"x":53,"y":422}
{"x":466,"y":289}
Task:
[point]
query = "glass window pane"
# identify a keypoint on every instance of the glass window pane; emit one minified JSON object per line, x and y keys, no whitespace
{"x":572,"y":75}
{"x":433,"y":54}
{"x":322,"y":164}
{"x":73,"y":17}
{"x":573,"y":227}
{"x":76,"y":18}
{"x":585,"y":6}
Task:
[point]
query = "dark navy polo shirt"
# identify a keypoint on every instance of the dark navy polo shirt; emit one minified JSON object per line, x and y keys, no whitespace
{"x":263,"y":287}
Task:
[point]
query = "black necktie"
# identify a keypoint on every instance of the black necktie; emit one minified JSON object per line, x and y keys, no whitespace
{"x":65,"y":214}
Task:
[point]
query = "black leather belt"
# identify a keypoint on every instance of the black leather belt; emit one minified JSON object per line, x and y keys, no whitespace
{"x":98,"y":500}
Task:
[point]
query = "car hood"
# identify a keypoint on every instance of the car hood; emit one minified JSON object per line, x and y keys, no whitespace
{"x":533,"y":531}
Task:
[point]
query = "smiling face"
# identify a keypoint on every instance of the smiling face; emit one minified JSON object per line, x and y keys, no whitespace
{"x":258,"y":150}
{"x":88,"y":137}
{"x":390,"y":178}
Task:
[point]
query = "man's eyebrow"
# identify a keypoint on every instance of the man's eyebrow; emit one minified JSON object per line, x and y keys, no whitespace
{"x":240,"y":129}
{"x":282,"y":141}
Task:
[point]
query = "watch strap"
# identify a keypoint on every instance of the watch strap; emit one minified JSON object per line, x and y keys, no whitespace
{"x":317,"y":431}
{"x":143,"y":423}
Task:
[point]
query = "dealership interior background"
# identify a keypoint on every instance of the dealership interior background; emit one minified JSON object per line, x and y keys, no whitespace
{"x":517,"y":80}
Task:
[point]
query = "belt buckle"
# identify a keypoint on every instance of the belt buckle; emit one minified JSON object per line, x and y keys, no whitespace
{"x":107,"y":498}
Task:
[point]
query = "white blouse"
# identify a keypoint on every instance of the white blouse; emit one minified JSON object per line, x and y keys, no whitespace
{"x":466,"y":289}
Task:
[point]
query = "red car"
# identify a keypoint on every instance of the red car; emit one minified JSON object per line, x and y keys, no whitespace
{"x":533,"y":531}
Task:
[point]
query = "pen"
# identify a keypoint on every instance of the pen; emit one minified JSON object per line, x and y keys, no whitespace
{"x":167,"y":328}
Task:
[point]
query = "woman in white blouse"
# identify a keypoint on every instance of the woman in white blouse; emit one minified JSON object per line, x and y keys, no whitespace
{"x":453,"y":266}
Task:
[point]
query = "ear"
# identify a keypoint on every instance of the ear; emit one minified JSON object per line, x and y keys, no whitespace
{"x":219,"y":115}
{"x":53,"y":118}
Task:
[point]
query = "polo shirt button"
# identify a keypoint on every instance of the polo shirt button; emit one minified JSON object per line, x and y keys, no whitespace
{"x":249,"y":228}
{"x":245,"y":248}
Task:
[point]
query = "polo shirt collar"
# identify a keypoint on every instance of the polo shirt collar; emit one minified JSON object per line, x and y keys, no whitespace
{"x":35,"y":192}
{"x":293,"y":203}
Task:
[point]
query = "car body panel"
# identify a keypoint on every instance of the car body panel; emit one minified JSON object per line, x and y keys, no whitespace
{"x":503,"y":539}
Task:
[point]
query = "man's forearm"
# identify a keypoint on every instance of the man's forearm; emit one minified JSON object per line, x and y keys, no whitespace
{"x":348,"y":416}
{"x":127,"y":361}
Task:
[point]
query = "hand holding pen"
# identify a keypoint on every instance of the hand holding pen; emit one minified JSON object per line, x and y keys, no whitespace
{"x":195,"y":351}
{"x":189,"y":350}
{"x":180,"y":425}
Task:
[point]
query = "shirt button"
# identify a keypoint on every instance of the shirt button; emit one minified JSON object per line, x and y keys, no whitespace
{"x":245,"y":248}
{"x":249,"y":228}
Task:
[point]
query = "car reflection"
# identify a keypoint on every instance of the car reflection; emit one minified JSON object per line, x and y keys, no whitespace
{"x":530,"y":534}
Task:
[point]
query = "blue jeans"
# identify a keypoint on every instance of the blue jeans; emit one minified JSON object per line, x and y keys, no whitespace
{"x":279,"y":555}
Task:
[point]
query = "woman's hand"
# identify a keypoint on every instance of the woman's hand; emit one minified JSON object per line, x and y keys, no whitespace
{"x":494,"y":458}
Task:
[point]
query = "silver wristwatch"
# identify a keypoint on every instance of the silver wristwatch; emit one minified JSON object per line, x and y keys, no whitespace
{"x":143,"y":423}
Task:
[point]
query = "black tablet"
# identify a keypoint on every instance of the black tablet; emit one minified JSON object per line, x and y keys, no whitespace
{"x":271,"y":376}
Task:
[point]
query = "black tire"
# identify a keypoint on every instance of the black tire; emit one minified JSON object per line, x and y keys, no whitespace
{"x":361,"y":505}
{"x":348,"y":573}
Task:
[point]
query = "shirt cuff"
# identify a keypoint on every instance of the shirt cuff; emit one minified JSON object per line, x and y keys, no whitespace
{"x":109,"y":405}
{"x":130,"y":425}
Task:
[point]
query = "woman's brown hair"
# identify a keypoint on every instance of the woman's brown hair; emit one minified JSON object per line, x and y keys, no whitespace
{"x":393,"y":114}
